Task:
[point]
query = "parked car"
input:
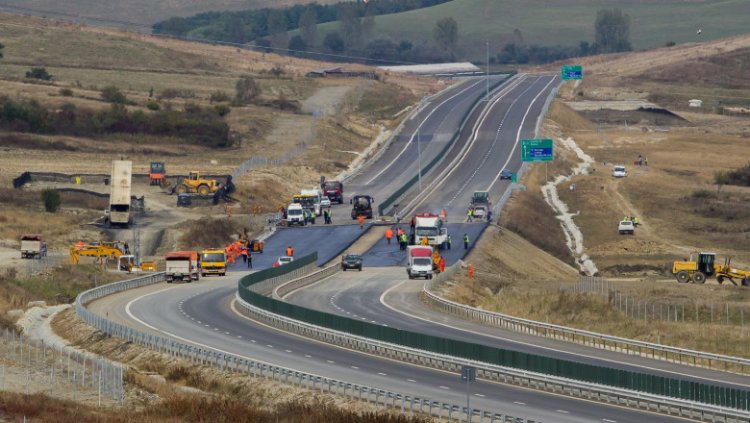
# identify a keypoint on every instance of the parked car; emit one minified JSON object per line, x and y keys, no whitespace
{"x":283,"y":260}
{"x":619,"y":171}
{"x":626,"y":227}
{"x":506,"y":174}
{"x":184,"y":200}
{"x":325,"y":202}
{"x":351,"y":261}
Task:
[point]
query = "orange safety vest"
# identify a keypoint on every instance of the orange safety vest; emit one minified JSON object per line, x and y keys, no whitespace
{"x":361,"y":219}
{"x":290,"y":252}
{"x":389,"y":233}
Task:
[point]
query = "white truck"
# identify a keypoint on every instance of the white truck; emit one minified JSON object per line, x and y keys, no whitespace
{"x":316,"y":194}
{"x":431,"y":226}
{"x":419,"y":262}
{"x":33,"y":246}
{"x":182,"y":265}
{"x":118,"y":212}
{"x":294,"y":215}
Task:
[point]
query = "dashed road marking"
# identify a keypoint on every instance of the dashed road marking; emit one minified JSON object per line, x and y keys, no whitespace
{"x":519,"y":403}
{"x":444,"y":387}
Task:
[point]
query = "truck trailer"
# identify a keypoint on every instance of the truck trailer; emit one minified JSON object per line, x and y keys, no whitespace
{"x":33,"y":246}
{"x":182,"y":265}
{"x":118,"y":212}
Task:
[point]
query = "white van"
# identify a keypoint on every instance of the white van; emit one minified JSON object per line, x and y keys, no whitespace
{"x":618,"y":171}
{"x":294,"y":215}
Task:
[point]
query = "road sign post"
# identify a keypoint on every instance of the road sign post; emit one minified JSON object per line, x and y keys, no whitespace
{"x":469,"y":374}
{"x":571,"y":72}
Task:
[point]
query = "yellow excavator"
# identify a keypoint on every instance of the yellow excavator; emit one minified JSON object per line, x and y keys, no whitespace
{"x":104,"y":251}
{"x":705,"y":266}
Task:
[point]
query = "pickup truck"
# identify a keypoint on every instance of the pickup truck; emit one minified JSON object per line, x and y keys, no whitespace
{"x":626,"y":227}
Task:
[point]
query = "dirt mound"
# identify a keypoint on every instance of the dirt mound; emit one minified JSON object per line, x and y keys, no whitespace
{"x":723,"y":69}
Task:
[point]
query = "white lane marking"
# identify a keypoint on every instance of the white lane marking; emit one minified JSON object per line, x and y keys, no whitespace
{"x":502,"y":338}
{"x":518,"y":134}
{"x":330,"y":362}
{"x":411,"y":380}
{"x":355,"y":367}
{"x":406,"y":146}
{"x":563,"y":411}
{"x":474,"y":135}
{"x":199,"y":344}
{"x":519,"y":403}
{"x":226,"y":333}
{"x":444,"y":387}
{"x":287,"y":351}
{"x":480,"y":395}
{"x":382,"y":374}
{"x":308,"y":356}
{"x":239,"y":336}
{"x":609,"y":421}
{"x":269,"y":345}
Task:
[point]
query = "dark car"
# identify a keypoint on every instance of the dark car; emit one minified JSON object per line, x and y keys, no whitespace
{"x":506,"y":174}
{"x":351,"y":261}
{"x":184,"y":200}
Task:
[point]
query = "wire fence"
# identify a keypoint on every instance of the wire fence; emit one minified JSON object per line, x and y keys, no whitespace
{"x":702,"y":312}
{"x":44,"y":264}
{"x":30,"y":366}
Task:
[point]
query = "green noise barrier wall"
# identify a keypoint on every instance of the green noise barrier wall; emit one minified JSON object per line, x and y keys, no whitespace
{"x":625,"y":379}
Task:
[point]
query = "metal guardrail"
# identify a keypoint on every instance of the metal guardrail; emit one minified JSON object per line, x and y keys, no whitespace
{"x":557,"y":385}
{"x":592,"y":339}
{"x":388,"y":400}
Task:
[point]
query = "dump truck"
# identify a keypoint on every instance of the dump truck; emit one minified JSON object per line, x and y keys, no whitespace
{"x":432,"y":227}
{"x":182,"y":265}
{"x":333,"y":190}
{"x":196,"y":184}
{"x":362,"y":205}
{"x":705,"y":266}
{"x":118,"y":212}
{"x":213,"y":262}
{"x":419,"y":263}
{"x":157,"y":174}
{"x":33,"y":246}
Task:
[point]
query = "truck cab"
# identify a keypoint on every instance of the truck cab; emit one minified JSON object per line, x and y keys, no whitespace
{"x":294,"y":215}
{"x":213,"y":262}
{"x":333,"y":190}
{"x":362,"y":205}
{"x":430,"y":226}
{"x":419,"y":261}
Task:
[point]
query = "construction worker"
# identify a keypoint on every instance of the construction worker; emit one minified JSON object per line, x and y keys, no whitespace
{"x":244,"y":254}
{"x":249,"y":259}
{"x":404,"y":240}
{"x":489,"y":216}
{"x":441,"y":265}
{"x":466,"y":241}
{"x":435,"y":260}
{"x":626,"y":219}
{"x":635,"y":220}
{"x":424,"y":241}
{"x":471,"y":271}
{"x":388,"y":235}
{"x":290,"y":251}
{"x":469,"y":214}
{"x":361,"y":220}
{"x":80,"y":245}
{"x":449,"y":241}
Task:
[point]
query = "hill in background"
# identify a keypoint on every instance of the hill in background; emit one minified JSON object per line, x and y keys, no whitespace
{"x":137,"y":15}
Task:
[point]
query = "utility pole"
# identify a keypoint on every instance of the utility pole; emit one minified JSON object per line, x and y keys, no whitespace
{"x":419,"y":160}
{"x":487,"y":75}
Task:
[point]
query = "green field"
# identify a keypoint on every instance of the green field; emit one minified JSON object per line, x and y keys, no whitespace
{"x":563,"y":22}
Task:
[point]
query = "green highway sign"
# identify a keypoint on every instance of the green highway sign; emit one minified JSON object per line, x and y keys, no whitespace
{"x":537,"y":150}
{"x":572,"y":72}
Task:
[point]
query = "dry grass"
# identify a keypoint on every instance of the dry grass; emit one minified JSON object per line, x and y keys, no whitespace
{"x":208,"y":232}
{"x":199,"y":394}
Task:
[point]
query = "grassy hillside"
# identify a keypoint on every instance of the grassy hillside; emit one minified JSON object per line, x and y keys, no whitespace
{"x":134,"y":14}
{"x":553,"y":22}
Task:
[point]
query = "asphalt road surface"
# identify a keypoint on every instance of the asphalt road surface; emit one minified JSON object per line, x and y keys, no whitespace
{"x":201,"y":314}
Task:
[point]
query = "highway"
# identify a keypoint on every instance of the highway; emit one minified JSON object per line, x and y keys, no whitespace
{"x":201,"y":313}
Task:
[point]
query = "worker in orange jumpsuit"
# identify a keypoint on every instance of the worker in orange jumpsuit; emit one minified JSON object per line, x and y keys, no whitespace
{"x":80,"y":245}
{"x":230,"y":257}
{"x":471,"y":271}
{"x":441,"y":265}
{"x":290,"y":251}
{"x":361,"y":220}
{"x":388,"y":235}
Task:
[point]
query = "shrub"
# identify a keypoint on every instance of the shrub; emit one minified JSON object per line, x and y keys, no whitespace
{"x":246,"y":90}
{"x":218,"y":97}
{"x":113,"y":94}
{"x":51,"y":200}
{"x":222,"y":109}
{"x":66,"y":92}
{"x":153,"y":105}
{"x":39,"y":73}
{"x":170,"y":93}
